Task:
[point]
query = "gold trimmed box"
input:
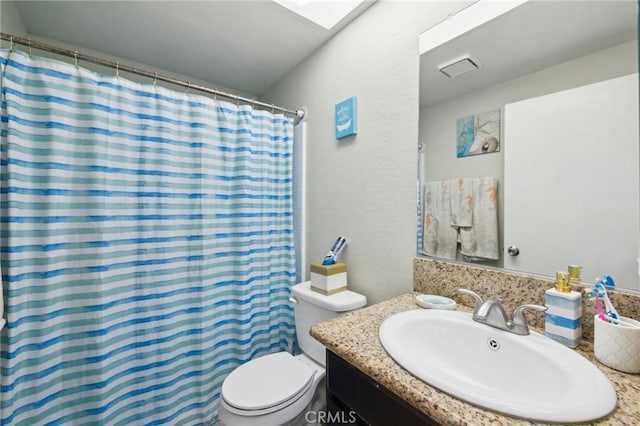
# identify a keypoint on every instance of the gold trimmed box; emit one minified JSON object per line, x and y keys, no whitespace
{"x":328,"y":279}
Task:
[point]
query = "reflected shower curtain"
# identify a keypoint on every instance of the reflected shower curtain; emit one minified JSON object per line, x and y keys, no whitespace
{"x":147,"y":246}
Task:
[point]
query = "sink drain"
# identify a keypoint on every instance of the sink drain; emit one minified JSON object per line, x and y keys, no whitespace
{"x":493,"y":344}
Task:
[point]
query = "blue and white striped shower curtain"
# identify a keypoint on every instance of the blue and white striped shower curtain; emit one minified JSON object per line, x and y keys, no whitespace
{"x":147,"y":246}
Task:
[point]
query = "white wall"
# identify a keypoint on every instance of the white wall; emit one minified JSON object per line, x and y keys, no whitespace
{"x":10,"y":21}
{"x":364,"y":188}
{"x":438,"y":123}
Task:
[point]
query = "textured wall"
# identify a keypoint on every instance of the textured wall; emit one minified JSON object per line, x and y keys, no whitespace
{"x":10,"y":21}
{"x":364,"y":187}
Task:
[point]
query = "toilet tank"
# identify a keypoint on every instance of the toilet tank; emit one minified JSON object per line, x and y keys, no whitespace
{"x":313,"y":307}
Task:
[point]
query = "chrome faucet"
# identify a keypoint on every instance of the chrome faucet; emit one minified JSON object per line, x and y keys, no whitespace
{"x":492,"y":313}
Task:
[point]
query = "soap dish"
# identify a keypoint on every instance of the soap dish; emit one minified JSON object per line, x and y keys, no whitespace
{"x":432,"y":301}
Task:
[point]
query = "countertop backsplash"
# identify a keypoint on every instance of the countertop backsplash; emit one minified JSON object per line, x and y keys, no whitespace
{"x":445,"y":278}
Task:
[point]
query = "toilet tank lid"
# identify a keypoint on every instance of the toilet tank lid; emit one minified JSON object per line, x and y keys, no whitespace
{"x":339,"y":302}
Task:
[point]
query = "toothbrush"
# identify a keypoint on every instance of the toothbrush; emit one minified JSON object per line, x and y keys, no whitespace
{"x":601,"y":292}
{"x":608,"y":282}
{"x":623,"y":323}
{"x":601,"y":314}
{"x":612,"y":316}
{"x":590,"y":293}
{"x":337,"y":247}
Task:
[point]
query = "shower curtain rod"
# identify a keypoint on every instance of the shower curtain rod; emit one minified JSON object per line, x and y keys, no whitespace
{"x":297,"y":114}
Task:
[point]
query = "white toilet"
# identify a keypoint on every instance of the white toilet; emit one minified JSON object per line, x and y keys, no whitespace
{"x":279,"y":389}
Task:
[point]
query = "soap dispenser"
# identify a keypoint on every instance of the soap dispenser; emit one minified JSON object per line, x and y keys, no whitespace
{"x":563,"y":318}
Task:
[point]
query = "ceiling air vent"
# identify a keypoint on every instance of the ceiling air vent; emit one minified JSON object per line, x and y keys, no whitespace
{"x":458,"y":67}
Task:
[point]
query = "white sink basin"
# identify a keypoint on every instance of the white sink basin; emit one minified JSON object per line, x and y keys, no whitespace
{"x":531,"y":377}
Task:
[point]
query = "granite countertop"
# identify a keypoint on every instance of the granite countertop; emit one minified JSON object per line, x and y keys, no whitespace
{"x":354,"y":337}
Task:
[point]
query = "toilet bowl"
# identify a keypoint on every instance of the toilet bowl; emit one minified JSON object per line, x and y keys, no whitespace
{"x":280,"y":389}
{"x":270,"y":390}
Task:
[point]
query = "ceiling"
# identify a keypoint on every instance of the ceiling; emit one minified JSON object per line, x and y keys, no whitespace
{"x":529,"y":38}
{"x":246,"y":46}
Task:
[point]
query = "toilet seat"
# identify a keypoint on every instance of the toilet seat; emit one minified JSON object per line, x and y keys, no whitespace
{"x":266,"y":384}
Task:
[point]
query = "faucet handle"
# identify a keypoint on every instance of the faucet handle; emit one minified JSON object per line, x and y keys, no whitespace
{"x":475,"y":295}
{"x":518,"y":317}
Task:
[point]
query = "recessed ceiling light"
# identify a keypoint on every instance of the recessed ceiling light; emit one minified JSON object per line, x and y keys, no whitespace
{"x":458,"y":67}
{"x":324,"y":13}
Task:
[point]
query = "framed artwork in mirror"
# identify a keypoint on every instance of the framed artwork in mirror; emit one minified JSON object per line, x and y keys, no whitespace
{"x":478,"y":134}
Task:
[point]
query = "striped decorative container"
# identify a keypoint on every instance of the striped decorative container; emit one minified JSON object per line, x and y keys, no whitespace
{"x":563,"y":318}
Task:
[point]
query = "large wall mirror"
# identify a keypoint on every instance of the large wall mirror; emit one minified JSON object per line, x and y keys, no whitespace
{"x":542,"y":96}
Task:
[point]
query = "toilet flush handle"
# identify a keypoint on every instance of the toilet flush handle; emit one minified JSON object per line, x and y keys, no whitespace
{"x":293,"y":300}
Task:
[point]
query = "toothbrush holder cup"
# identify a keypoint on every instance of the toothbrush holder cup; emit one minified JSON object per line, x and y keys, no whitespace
{"x":617,"y":346}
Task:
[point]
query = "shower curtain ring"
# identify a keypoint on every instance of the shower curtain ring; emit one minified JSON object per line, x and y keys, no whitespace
{"x":187,"y":88}
{"x":30,"y":47}
{"x":273,"y":108}
{"x":118,"y":69}
{"x":155,"y":80}
{"x":75,"y":56}
{"x":11,"y":44}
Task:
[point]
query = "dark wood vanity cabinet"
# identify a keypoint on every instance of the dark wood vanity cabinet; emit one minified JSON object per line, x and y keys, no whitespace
{"x":354,"y":398}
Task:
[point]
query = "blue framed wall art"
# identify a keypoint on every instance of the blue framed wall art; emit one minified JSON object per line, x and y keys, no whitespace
{"x":346,"y":118}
